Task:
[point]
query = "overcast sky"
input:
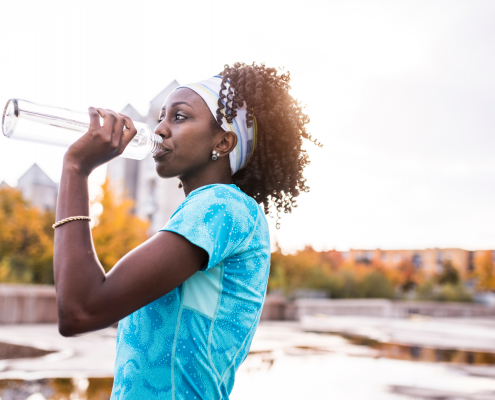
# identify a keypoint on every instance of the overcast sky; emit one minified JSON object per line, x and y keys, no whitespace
{"x":401,"y":93}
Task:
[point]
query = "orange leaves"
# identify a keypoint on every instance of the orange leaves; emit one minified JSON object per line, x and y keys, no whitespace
{"x":309,"y":269}
{"x":26,"y":240}
{"x":118,"y":230}
{"x":484,"y":271}
{"x":405,"y":276}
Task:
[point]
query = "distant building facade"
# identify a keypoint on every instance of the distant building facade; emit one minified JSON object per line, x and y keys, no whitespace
{"x":155,"y":199}
{"x":37,"y":187}
{"x":431,"y":261}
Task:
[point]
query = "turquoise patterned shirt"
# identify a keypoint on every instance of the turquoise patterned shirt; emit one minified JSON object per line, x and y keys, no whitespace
{"x":189,"y":343}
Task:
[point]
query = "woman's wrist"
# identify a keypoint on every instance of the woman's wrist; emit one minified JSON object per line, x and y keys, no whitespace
{"x":73,"y":199}
{"x":73,"y":167}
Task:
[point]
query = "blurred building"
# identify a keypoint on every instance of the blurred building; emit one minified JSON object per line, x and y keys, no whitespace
{"x":431,"y":261}
{"x":37,"y":187}
{"x":155,"y":199}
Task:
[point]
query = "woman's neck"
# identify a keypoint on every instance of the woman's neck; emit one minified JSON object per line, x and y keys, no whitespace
{"x":217,"y":175}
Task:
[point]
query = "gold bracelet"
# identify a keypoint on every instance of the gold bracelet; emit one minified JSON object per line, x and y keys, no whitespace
{"x":63,"y":221}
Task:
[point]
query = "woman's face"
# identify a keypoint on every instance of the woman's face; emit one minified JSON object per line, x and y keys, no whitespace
{"x":187,"y":128}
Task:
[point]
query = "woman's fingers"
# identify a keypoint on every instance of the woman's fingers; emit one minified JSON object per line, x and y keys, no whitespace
{"x":129,"y":131}
{"x":94,"y":118}
{"x":118,"y":129}
{"x":101,"y":143}
{"x":112,"y":128}
{"x":108,"y":121}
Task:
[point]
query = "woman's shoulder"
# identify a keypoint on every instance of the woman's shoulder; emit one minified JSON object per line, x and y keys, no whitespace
{"x":219,"y":219}
{"x":221,"y":202}
{"x":229,"y":197}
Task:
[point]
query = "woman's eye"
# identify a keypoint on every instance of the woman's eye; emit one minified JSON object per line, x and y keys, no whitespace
{"x":180,"y":117}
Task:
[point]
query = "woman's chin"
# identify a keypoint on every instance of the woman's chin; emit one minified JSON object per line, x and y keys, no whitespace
{"x":164,"y":172}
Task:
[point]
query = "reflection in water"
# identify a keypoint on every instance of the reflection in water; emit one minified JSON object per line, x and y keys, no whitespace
{"x":9,"y":351}
{"x":57,"y":389}
{"x":317,"y":353}
{"x":416,"y":353}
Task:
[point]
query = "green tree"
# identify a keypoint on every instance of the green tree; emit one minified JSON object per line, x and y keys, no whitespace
{"x":449,"y":274}
{"x":430,"y":291}
{"x":376,"y":285}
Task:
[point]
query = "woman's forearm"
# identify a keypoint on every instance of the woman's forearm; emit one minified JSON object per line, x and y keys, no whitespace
{"x":77,"y":270}
{"x":87,"y":298}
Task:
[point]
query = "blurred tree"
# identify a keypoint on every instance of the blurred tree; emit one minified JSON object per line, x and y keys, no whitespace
{"x":293,"y":271}
{"x":118,"y":231}
{"x":406,"y":276}
{"x":484,"y":271}
{"x":349,"y":287}
{"x":376,"y":285}
{"x":454,"y":292}
{"x":333,"y":258}
{"x":309,"y":269}
{"x":449,"y":274}
{"x":427,"y":290}
{"x":430,"y":291}
{"x":26,"y":240}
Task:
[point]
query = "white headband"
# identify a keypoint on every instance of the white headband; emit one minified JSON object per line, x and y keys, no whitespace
{"x":209,"y":91}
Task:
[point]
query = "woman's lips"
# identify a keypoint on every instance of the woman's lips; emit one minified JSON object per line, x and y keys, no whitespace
{"x":160,"y":154}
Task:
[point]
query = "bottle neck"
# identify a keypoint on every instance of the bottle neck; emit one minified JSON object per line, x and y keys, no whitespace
{"x":156,"y":142}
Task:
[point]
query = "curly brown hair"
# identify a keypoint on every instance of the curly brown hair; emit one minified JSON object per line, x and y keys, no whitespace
{"x":274,"y":174}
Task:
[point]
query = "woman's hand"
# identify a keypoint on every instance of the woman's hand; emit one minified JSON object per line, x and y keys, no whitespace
{"x":101,"y":143}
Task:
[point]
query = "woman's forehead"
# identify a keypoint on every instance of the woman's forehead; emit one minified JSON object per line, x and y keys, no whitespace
{"x":187,"y":96}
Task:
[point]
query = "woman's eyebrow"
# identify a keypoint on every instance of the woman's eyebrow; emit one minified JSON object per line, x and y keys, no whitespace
{"x":177,"y":103}
{"x":181,"y":102}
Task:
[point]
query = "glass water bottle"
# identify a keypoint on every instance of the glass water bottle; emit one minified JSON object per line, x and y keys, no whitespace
{"x":33,"y":122}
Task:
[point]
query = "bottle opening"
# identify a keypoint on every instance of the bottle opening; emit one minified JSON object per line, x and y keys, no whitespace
{"x":156,"y":143}
{"x":9,"y":118}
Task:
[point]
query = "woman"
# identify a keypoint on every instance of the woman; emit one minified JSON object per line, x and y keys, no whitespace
{"x":188,"y":300}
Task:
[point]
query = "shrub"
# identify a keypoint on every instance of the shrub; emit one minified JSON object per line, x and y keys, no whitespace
{"x":428,"y":291}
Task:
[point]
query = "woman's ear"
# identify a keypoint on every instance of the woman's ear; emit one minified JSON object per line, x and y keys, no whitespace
{"x":227,"y":144}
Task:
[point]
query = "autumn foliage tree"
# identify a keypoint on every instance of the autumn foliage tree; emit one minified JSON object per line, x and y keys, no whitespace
{"x":26,"y":240}
{"x":304,"y":269}
{"x":118,"y":231}
{"x":484,"y":271}
{"x":26,"y":236}
{"x":406,"y":276}
{"x":310,"y":269}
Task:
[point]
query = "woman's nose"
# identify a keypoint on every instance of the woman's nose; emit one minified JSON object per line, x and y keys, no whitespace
{"x":162,"y":130}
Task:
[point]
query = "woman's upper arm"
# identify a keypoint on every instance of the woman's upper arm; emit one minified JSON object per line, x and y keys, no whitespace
{"x":145,"y":274}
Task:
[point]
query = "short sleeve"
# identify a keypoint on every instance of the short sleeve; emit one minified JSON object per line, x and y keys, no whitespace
{"x":217,"y":218}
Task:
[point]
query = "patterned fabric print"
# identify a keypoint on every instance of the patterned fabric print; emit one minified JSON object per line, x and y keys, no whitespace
{"x":190,"y":343}
{"x":144,"y":350}
{"x":192,"y":372}
{"x":242,"y":282}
